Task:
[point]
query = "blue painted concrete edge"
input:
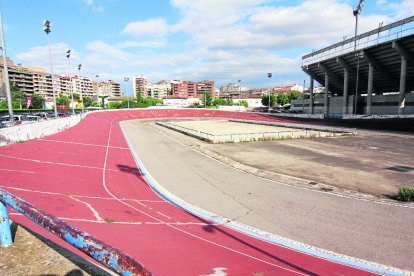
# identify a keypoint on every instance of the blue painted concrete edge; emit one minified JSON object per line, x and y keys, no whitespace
{"x":310,"y":251}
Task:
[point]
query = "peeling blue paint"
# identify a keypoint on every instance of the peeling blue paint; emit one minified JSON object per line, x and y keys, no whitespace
{"x":5,"y":231}
{"x":110,"y":257}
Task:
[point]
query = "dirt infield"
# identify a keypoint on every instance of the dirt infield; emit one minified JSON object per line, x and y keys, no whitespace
{"x":373,"y":163}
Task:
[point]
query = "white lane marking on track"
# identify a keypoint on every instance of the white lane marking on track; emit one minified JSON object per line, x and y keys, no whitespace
{"x":82,"y":196}
{"x":81,"y":144}
{"x":128,"y":222}
{"x":15,"y":171}
{"x":57,"y":163}
{"x":152,"y":209}
{"x":181,"y":230}
{"x":94,"y":212}
{"x":281,"y":183}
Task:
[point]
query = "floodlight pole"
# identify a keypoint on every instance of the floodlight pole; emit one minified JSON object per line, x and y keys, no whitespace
{"x":127,"y":86}
{"x":70,"y":80}
{"x":356,"y":13}
{"x":47,"y":30}
{"x":239,"y":94}
{"x":80,"y":87}
{"x":269,"y":75}
{"x":6,"y":73}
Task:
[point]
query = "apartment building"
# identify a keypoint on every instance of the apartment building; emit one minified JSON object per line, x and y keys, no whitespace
{"x":206,"y":86}
{"x":158,"y":90}
{"x":183,"y":89}
{"x":83,"y":86}
{"x":65,"y":85}
{"x":140,"y":83}
{"x":109,"y":88}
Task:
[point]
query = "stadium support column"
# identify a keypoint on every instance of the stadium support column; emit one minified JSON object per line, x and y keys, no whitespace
{"x":403,"y":78}
{"x":311,"y":96}
{"x":345,"y":95}
{"x":325,"y":100}
{"x":370,"y":85}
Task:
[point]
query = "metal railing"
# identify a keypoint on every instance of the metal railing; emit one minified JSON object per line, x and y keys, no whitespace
{"x":105,"y":254}
{"x":383,"y":34}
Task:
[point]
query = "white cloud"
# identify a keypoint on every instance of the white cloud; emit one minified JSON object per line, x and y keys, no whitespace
{"x":153,"y":28}
{"x":98,"y":8}
{"x":310,"y":24}
{"x":402,"y":10}
{"x":39,"y":57}
{"x":88,"y":2}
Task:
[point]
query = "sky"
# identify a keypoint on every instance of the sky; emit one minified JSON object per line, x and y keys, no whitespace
{"x":221,"y":40}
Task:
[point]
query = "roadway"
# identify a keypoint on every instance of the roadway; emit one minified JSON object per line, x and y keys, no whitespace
{"x":87,"y":176}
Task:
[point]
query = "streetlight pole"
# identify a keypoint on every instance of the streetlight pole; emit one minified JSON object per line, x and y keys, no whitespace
{"x":127,"y":84}
{"x":80,"y":86}
{"x":6,"y":73}
{"x":239,"y":94}
{"x":70,"y":80}
{"x":269,"y":76}
{"x":46,"y":29}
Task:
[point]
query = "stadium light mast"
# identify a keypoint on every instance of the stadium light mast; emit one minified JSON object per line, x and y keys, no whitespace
{"x":47,"y":30}
{"x":6,"y":73}
{"x":70,"y":80}
{"x":356,"y":13}
{"x":269,"y":75}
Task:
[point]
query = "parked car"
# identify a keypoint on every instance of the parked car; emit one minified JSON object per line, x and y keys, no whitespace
{"x":32,"y":118}
{"x":43,"y":115}
{"x":18,"y":120}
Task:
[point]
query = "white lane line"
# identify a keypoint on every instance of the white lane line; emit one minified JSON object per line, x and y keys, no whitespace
{"x":15,"y":171}
{"x":181,"y":230}
{"x":128,"y":222}
{"x":159,"y":213}
{"x":81,"y":144}
{"x":94,"y":212}
{"x":82,"y":196}
{"x":57,"y":163}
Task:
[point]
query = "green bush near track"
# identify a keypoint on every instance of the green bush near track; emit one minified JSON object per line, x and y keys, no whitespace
{"x":406,"y":194}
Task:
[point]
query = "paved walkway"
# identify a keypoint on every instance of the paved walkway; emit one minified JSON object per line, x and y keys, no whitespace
{"x":376,"y":232}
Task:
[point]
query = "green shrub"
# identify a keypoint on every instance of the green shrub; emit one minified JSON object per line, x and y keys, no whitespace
{"x":406,"y":194}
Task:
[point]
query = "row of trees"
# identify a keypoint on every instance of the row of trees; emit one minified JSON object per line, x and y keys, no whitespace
{"x":139,"y":103}
{"x":19,"y":99}
{"x":280,"y":99}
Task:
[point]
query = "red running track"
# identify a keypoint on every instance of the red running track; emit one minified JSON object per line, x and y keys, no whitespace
{"x":87,"y":176}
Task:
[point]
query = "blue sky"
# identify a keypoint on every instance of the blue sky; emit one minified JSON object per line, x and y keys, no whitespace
{"x":223,"y":40}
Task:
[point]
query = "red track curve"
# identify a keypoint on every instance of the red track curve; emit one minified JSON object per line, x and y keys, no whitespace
{"x":87,"y":176}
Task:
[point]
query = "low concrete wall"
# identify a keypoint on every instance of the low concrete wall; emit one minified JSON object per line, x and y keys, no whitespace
{"x":355,"y":117}
{"x":299,"y":131}
{"x":26,"y":132}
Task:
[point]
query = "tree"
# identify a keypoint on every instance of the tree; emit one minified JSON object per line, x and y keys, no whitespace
{"x":265,"y":100}
{"x":282,"y":99}
{"x":37,"y":102}
{"x":244,"y":103}
{"x":139,"y":95}
{"x":62,"y":100}
{"x":18,"y":97}
{"x":87,"y":101}
{"x":294,"y":95}
{"x":76,"y":97}
{"x":207,"y":99}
